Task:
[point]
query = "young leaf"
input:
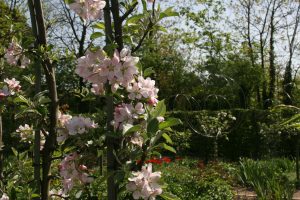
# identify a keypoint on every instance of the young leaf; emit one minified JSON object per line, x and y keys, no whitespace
{"x":148,"y":72}
{"x":96,"y":35}
{"x":167,"y":138}
{"x":168,"y":13}
{"x":152,"y":127}
{"x":169,"y":148}
{"x":170,"y":122}
{"x":99,"y":25}
{"x":168,"y":196}
{"x":159,"y":110}
{"x":131,"y":129}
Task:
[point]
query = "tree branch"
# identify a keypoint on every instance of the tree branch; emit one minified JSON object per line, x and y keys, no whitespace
{"x":129,"y":11}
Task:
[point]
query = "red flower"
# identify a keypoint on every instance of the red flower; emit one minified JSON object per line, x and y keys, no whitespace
{"x":166,"y":159}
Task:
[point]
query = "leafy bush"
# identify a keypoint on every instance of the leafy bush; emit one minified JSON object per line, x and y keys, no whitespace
{"x":270,"y":179}
{"x":191,"y":179}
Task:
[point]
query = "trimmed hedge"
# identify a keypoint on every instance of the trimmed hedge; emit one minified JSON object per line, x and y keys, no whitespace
{"x":245,"y":138}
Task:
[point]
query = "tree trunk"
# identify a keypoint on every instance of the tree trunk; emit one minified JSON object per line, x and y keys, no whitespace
{"x":1,"y":147}
{"x":264,"y":83}
{"x":37,"y":137}
{"x":287,"y":81}
{"x":112,"y":187}
{"x":272,"y":70}
{"x":49,"y":69}
{"x":215,"y":154}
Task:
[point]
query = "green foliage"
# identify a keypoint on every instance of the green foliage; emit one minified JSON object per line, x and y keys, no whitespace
{"x":270,"y":179}
{"x":188,"y":180}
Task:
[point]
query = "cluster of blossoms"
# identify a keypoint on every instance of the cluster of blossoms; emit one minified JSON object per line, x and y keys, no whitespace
{"x":4,"y":197}
{"x":98,"y":69}
{"x":11,"y":86}
{"x":71,"y":172}
{"x":73,"y":125}
{"x":27,"y":134}
{"x":126,"y":113}
{"x":14,"y":55}
{"x":120,"y":72}
{"x":145,"y":183}
{"x":88,"y":9}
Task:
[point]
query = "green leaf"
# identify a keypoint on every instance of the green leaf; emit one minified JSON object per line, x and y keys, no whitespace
{"x":159,"y":110}
{"x":152,"y":127}
{"x":21,"y":99}
{"x":131,"y":129}
{"x":99,"y":25}
{"x":167,"y":138}
{"x":144,"y":5}
{"x":170,"y":122}
{"x":168,"y":13}
{"x":148,"y":72}
{"x":35,"y":195}
{"x":134,"y":19}
{"x":96,"y":35}
{"x":169,"y":148}
{"x":169,"y":196}
{"x":78,"y":194}
{"x":161,"y":28}
{"x":292,"y":119}
{"x":14,"y":151}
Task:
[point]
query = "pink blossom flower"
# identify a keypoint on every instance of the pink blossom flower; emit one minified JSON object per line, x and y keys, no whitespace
{"x":88,"y":9}
{"x":26,"y":132}
{"x":137,"y":139}
{"x":13,"y":85}
{"x":79,"y":125}
{"x":4,"y":197}
{"x":14,"y":53}
{"x":98,"y":89}
{"x":145,"y":183}
{"x":69,"y":172}
{"x":69,"y":125}
{"x":152,"y":101}
{"x":144,"y":88}
{"x":126,"y":113}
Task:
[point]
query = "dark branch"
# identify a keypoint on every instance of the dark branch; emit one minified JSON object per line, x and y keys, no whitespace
{"x":129,"y":11}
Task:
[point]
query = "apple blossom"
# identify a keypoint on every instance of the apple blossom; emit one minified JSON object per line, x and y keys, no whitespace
{"x":69,"y":125}
{"x":144,"y":88}
{"x":14,"y":53}
{"x":4,"y":197}
{"x":25,"y":131}
{"x":88,"y":9}
{"x":71,"y":173}
{"x":13,"y":85}
{"x":137,"y":139}
{"x":145,"y":184}
{"x":126,"y":113}
{"x":79,"y":125}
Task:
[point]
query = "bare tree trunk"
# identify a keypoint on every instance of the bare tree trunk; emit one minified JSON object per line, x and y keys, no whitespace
{"x":37,"y":137}
{"x":112,"y":187}
{"x":272,"y":69}
{"x":215,"y":148}
{"x":264,"y":82}
{"x":287,"y":81}
{"x":1,"y":147}
{"x":49,"y":69}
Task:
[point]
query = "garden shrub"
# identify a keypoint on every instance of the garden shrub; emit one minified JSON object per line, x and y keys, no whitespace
{"x":193,"y":180}
{"x":270,"y":179}
{"x":251,"y":135}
